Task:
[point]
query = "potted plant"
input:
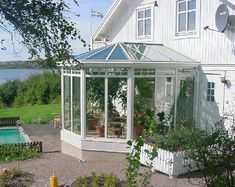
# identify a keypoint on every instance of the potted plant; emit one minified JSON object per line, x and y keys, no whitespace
{"x":92,"y":121}
{"x":100,"y":130}
{"x":118,"y":128}
{"x":100,"y":126}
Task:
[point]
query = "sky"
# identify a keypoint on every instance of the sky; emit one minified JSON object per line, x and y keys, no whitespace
{"x":15,"y":51}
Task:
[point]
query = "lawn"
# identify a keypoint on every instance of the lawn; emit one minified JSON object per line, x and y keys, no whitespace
{"x":32,"y":114}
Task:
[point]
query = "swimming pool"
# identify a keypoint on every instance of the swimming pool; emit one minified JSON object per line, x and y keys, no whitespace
{"x":13,"y":135}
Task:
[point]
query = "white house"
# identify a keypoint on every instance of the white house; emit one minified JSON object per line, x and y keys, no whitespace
{"x":174,"y":56}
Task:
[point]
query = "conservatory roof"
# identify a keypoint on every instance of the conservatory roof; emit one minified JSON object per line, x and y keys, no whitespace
{"x":127,"y":53}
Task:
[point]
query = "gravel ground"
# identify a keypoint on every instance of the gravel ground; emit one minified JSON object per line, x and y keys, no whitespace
{"x":68,"y":168}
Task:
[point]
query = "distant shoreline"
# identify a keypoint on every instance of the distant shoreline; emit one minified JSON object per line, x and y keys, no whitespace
{"x":19,"y":65}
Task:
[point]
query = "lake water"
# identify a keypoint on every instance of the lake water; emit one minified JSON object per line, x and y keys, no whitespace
{"x":21,"y":74}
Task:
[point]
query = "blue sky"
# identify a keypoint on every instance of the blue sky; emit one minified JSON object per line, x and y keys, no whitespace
{"x":83,"y":24}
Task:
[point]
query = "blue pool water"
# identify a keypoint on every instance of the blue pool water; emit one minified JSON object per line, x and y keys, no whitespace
{"x":10,"y":136}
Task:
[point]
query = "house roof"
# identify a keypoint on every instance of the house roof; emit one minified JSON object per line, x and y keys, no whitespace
{"x":122,"y":54}
{"x":109,"y":17}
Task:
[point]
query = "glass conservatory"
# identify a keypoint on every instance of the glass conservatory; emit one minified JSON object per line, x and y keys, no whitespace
{"x":107,"y":92}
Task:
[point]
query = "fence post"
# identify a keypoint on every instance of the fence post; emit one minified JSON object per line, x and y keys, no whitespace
{"x":40,"y":147}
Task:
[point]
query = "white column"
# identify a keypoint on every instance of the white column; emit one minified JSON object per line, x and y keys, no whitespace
{"x":155,"y":93}
{"x":62,"y":97}
{"x":83,"y":102}
{"x":130,"y":103}
{"x":176,"y":95}
{"x":71,"y":101}
{"x":196,"y":96}
{"x":106,"y":105}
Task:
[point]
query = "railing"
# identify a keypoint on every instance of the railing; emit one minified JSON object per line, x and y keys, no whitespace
{"x":171,"y":163}
{"x":30,"y":145}
{"x":9,"y":121}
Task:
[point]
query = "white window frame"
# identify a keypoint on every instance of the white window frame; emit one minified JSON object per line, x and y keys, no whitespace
{"x":210,"y":95}
{"x":188,"y":33}
{"x":143,"y":8}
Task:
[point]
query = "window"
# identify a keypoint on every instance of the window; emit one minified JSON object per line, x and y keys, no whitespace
{"x":210,"y":91}
{"x":144,"y":22}
{"x":186,"y":16}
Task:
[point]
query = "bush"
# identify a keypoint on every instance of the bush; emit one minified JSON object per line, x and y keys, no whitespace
{"x":8,"y":92}
{"x":16,"y":177}
{"x":214,"y":155}
{"x":10,"y":153}
{"x":105,"y":180}
{"x":37,"y":89}
{"x":177,"y":140}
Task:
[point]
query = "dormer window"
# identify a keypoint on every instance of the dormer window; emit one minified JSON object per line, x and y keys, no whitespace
{"x":186,"y":17}
{"x":144,"y":23}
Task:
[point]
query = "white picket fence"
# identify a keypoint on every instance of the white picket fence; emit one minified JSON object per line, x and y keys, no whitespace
{"x":171,"y":163}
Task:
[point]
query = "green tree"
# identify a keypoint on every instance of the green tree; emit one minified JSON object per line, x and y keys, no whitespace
{"x":43,"y":26}
{"x":8,"y":92}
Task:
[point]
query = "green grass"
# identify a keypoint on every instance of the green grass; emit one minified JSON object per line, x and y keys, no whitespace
{"x":32,"y":114}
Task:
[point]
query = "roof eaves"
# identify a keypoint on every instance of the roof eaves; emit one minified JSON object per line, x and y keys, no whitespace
{"x":107,"y":16}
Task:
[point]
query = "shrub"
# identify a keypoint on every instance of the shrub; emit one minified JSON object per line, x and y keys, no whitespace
{"x":105,"y":180}
{"x":214,"y":155}
{"x":177,"y":140}
{"x":8,"y":92}
{"x":39,"y":89}
{"x":16,"y":177}
{"x":134,"y":176}
{"x":9,"y":152}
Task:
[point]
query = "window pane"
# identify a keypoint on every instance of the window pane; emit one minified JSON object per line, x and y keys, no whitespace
{"x":147,"y":13}
{"x":182,"y":22}
{"x":212,"y":98}
{"x":143,"y":103}
{"x":140,"y":14}
{"x":182,"y":6}
{"x":140,"y":28}
{"x":76,"y":105}
{"x":95,"y":106}
{"x":208,"y":85}
{"x":67,"y":103}
{"x":191,"y":20}
{"x":148,"y":27}
{"x":208,"y":98}
{"x":208,"y":92}
{"x":164,"y":103}
{"x":117,"y":105}
{"x":192,"y":4}
{"x":185,"y":97}
{"x":118,"y":54}
{"x":212,"y":92}
{"x":212,"y":84}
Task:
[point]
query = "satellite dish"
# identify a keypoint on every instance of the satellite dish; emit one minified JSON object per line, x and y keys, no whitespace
{"x":222,"y":17}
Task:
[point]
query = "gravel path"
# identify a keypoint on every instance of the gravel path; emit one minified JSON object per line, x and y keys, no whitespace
{"x":68,"y":168}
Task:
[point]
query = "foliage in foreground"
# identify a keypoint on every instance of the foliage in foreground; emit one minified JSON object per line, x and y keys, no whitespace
{"x":43,"y":25}
{"x":36,"y":114}
{"x":133,"y":174}
{"x":214,"y":155}
{"x":9,"y":153}
{"x":102,"y":180}
{"x":16,"y":177}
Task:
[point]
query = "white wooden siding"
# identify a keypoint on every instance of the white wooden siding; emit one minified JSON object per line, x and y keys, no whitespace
{"x":207,"y":47}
